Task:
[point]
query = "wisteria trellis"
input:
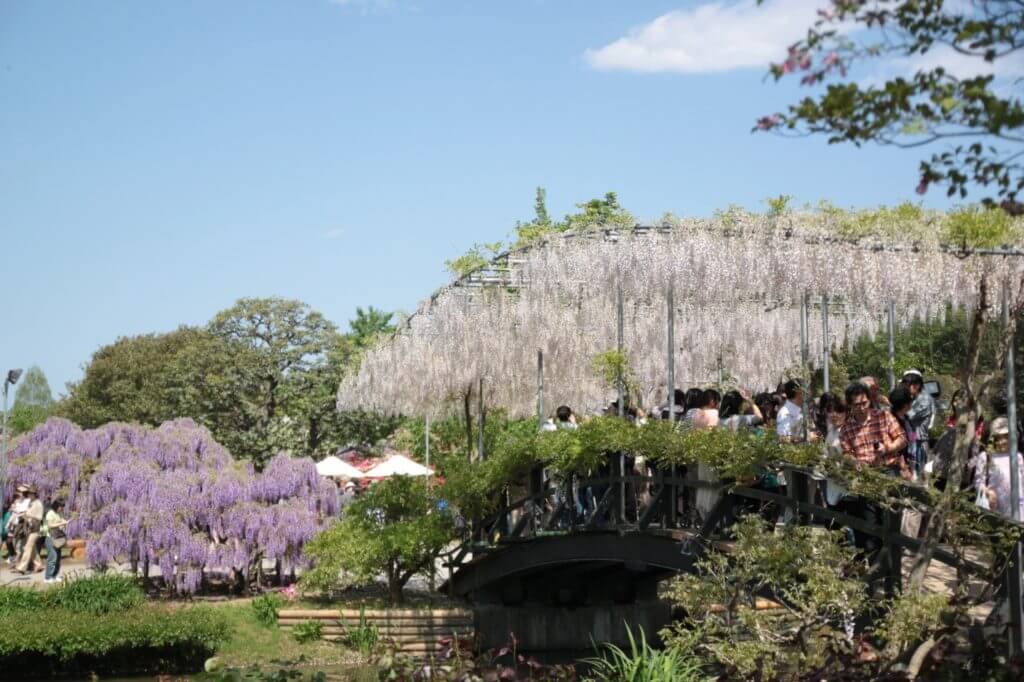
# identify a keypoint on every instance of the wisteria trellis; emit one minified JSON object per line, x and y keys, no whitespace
{"x":738,"y":284}
{"x":173,"y":497}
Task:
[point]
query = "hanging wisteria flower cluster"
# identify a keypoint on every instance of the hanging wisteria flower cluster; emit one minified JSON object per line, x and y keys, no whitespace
{"x":172,"y":497}
{"x":737,"y":280}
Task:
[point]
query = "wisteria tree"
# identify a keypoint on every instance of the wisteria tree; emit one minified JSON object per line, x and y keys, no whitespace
{"x":173,"y":497}
{"x":962,"y":89}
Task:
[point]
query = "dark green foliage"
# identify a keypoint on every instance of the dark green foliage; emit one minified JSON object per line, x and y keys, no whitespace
{"x":156,"y":639}
{"x":265,"y":607}
{"x":135,"y":379}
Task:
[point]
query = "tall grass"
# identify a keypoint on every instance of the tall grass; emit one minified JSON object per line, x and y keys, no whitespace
{"x":642,"y":663}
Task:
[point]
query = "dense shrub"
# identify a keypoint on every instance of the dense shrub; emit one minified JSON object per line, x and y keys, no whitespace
{"x":96,"y":594}
{"x":149,"y":638}
{"x":265,"y":608}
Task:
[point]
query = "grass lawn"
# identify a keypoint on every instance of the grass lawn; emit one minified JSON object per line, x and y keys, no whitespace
{"x":254,"y":643}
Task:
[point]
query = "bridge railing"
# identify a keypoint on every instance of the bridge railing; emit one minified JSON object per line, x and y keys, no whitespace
{"x":696,"y":510}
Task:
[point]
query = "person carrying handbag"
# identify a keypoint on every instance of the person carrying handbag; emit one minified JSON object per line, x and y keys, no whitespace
{"x":54,"y":529}
{"x":31,"y":521}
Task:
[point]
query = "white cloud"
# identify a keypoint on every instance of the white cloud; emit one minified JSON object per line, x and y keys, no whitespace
{"x":721,"y":36}
{"x":710,"y":38}
{"x":334,"y":233}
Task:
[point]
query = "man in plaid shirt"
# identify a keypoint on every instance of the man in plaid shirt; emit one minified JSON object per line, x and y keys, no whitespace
{"x":872,"y":437}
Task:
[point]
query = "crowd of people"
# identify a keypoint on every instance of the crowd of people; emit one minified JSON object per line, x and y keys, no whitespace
{"x":890,"y":433}
{"x":28,"y":526}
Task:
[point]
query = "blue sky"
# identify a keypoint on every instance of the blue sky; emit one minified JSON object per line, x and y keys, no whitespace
{"x":159,"y":160}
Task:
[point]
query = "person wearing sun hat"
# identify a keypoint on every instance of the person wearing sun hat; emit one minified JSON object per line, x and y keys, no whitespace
{"x":920,"y":417}
{"x":992,"y":471}
{"x":12,"y":524}
{"x":34,"y":519}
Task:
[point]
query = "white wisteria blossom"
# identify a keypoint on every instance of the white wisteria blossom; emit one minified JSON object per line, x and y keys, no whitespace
{"x":738,"y":278}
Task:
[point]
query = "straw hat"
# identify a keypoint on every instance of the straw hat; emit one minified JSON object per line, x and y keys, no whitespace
{"x":1000,"y":427}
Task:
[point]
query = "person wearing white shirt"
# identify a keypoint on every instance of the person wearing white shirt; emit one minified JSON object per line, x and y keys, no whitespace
{"x":789,"y":424}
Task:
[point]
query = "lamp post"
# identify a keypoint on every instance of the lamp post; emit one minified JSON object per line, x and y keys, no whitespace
{"x":11,"y":379}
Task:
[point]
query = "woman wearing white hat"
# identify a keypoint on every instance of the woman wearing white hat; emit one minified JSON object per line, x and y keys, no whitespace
{"x":992,"y":471}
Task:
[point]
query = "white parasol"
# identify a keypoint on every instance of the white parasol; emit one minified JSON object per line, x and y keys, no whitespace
{"x":398,"y":465}
{"x":336,"y":468}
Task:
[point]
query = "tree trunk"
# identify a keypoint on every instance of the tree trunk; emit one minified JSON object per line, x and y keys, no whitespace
{"x":966,"y":426}
{"x":395,"y":584}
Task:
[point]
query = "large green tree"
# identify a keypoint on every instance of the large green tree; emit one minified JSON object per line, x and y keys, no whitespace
{"x":262,"y":376}
{"x":274,"y":345}
{"x":134,"y":379}
{"x":953,"y":97}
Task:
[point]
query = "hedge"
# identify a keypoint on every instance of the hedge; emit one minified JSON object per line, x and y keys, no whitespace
{"x":60,"y":641}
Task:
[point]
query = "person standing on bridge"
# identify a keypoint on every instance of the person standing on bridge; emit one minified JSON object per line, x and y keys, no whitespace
{"x":870,"y":437}
{"x":992,"y":471}
{"x":921,"y":417}
{"x":789,"y":424}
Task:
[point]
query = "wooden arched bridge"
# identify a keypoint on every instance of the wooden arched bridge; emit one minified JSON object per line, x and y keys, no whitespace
{"x":542,"y":553}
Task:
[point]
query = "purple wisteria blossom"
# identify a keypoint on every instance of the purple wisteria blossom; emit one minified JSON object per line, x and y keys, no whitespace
{"x":173,"y":497}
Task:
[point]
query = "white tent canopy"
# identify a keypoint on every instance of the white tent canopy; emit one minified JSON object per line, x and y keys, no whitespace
{"x":336,"y":468}
{"x":398,"y":465}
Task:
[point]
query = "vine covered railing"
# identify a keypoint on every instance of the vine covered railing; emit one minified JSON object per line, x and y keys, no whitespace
{"x":505,"y":496}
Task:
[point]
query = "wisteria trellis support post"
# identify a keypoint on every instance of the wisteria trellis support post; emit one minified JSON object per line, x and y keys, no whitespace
{"x":670,"y":314}
{"x":480,"y":420}
{"x":892,"y":345}
{"x":804,"y":360}
{"x":540,"y":388}
{"x":1013,"y":570}
{"x":620,"y":311}
{"x":826,"y":350}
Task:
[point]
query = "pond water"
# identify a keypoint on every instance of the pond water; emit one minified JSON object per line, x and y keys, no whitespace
{"x":333,"y":673}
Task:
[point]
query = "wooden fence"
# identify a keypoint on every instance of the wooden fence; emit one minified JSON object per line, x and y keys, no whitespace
{"x":414,"y":631}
